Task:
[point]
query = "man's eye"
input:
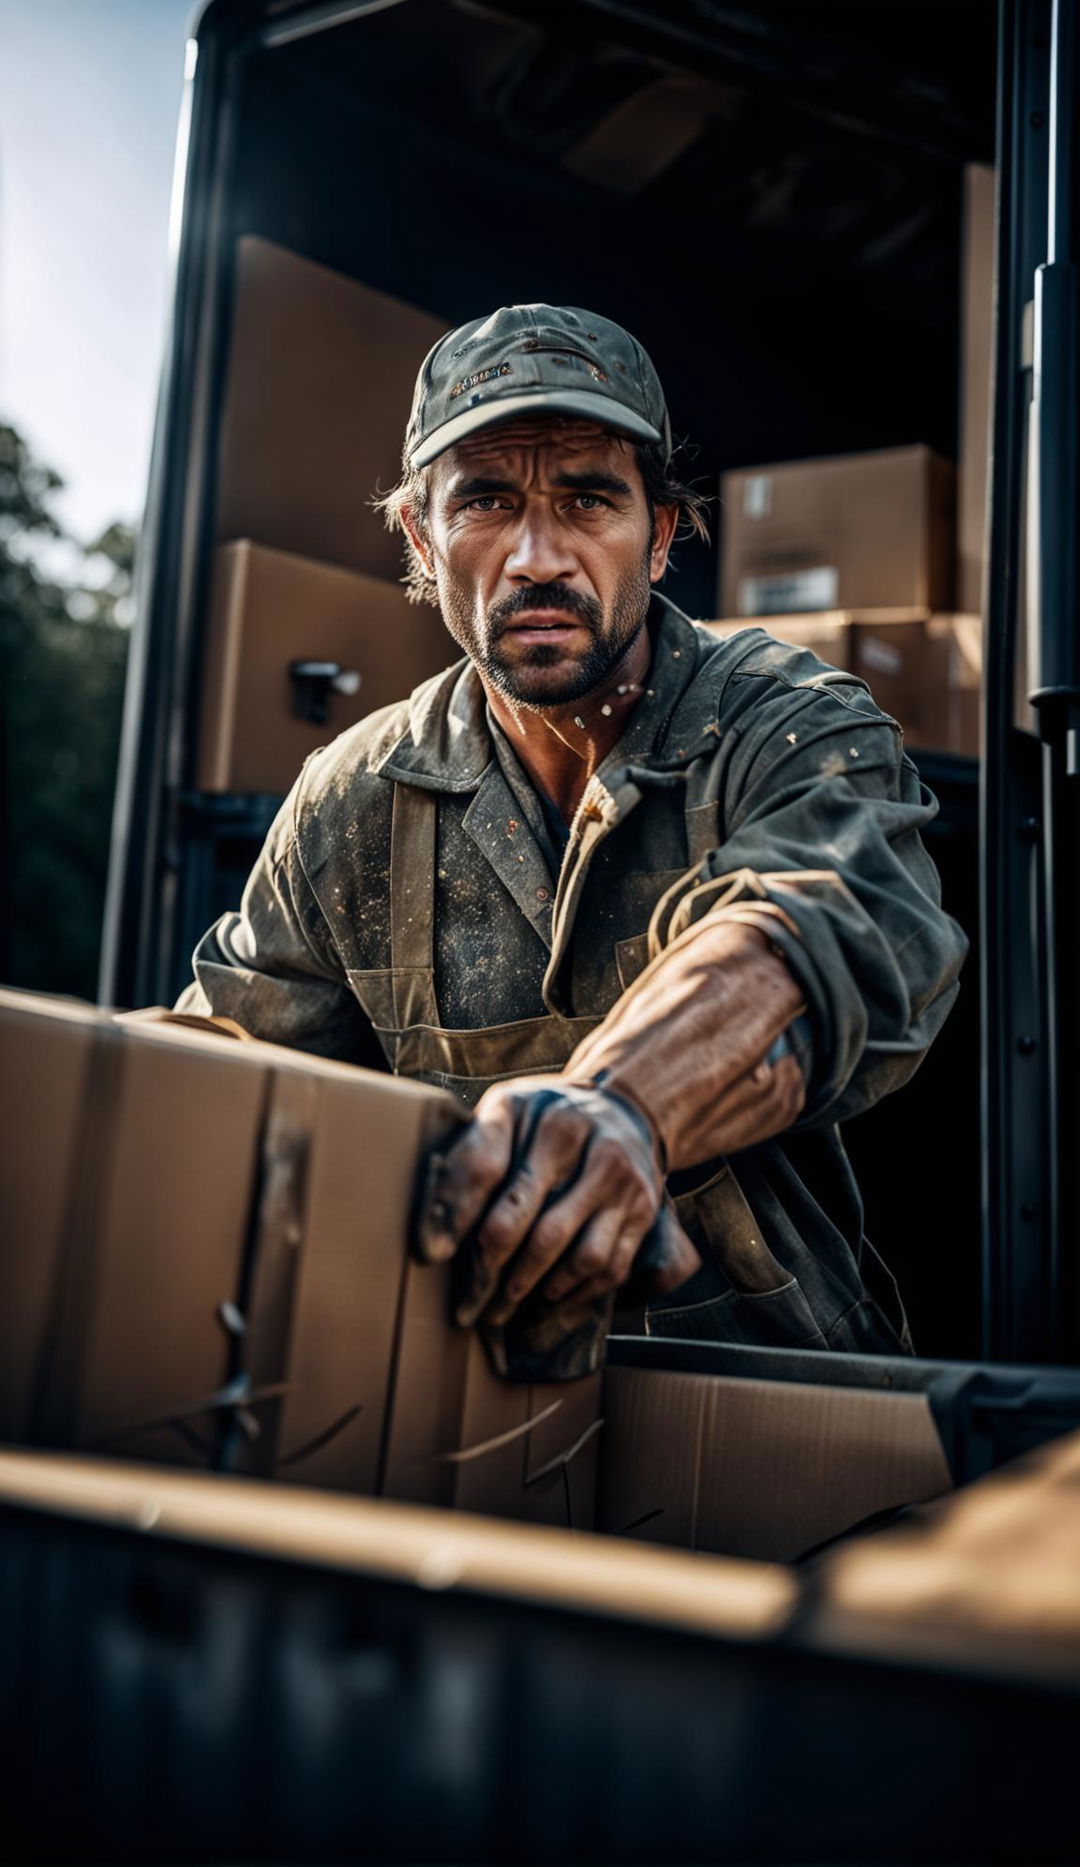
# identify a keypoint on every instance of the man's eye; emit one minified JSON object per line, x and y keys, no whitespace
{"x":590,"y":502}
{"x":484,"y":502}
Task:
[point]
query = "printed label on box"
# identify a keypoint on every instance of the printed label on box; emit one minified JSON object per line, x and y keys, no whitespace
{"x":757,"y":496}
{"x":785,"y":593}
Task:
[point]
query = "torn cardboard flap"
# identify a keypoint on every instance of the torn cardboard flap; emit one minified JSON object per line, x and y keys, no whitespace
{"x":448,"y":1402}
{"x":346,"y":1309}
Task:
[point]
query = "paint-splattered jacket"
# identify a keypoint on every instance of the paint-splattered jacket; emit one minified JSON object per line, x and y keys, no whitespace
{"x":403,"y":908}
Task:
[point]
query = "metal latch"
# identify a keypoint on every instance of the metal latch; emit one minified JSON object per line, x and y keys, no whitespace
{"x":314,"y":681}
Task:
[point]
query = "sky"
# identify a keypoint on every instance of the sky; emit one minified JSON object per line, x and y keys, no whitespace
{"x":89,"y":105}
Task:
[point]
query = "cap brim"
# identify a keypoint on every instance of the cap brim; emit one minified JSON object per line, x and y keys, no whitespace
{"x":584,"y":402}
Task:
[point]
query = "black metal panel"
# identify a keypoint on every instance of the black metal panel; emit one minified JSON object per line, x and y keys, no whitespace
{"x":1019,"y":1320}
{"x":1054,"y":586}
{"x":219,"y":837}
{"x":164,"y":1701}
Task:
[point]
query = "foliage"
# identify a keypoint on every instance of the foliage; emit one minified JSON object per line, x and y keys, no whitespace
{"x":63,"y":650}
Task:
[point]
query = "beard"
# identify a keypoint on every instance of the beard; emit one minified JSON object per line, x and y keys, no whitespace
{"x":542,"y":675}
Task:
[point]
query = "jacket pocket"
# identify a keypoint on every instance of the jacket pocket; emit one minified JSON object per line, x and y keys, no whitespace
{"x":759,"y":1301}
{"x":780,"y":1318}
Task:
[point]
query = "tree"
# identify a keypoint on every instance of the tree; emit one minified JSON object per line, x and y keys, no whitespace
{"x":63,"y":651}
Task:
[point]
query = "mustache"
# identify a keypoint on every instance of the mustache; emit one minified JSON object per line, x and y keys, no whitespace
{"x":585,"y":609}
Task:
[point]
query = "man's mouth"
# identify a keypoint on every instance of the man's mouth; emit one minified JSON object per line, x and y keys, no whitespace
{"x":544,"y":622}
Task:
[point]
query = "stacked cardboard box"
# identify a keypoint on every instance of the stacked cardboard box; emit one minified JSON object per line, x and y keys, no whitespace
{"x":853,"y":557}
{"x":319,"y":382}
{"x":206,"y":1259}
{"x":923,"y":669}
{"x":861,"y":531}
{"x":269,"y":608}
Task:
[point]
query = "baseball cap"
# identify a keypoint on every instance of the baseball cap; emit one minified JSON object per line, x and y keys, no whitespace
{"x":550,"y":358}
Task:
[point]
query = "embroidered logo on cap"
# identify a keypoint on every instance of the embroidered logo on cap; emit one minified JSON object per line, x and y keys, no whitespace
{"x":470,"y":382}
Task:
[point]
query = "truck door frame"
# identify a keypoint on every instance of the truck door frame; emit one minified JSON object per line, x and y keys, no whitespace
{"x":1028,"y":841}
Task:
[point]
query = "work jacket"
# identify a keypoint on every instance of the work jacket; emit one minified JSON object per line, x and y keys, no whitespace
{"x":403,"y":910}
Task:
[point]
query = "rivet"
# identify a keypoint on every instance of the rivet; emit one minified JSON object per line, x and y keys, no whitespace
{"x":1027,"y":1045}
{"x":676,"y":654}
{"x":543,"y":894}
{"x":854,"y":751}
{"x":579,"y":722}
{"x":793,"y":739}
{"x":606,"y":710}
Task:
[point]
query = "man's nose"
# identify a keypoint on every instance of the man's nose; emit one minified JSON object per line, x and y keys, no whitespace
{"x":540,"y":552}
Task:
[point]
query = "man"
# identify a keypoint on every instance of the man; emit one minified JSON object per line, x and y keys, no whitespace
{"x":654,"y":902}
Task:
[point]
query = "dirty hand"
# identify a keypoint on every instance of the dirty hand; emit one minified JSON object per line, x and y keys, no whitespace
{"x":553,"y":1184}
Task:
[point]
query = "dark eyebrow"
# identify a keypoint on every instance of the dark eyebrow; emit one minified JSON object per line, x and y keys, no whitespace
{"x":594,"y":483}
{"x":477,"y":487}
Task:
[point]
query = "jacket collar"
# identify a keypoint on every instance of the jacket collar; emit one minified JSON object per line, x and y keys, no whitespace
{"x":447,"y":745}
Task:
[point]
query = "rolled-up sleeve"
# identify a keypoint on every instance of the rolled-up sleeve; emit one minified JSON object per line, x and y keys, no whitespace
{"x":273,"y":967}
{"x":822,"y":848}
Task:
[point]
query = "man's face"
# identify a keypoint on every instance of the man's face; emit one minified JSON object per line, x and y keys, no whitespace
{"x":540,"y":539}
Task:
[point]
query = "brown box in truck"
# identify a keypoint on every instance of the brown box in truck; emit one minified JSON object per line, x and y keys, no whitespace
{"x":318,"y":389}
{"x":860,"y":531}
{"x":157,"y":1180}
{"x":125,"y":1183}
{"x":269,"y":608}
{"x":154,"y":1174}
{"x":924,"y":669}
{"x":768,"y":1469}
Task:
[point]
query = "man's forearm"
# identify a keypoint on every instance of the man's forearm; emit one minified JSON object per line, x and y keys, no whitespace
{"x":688,"y":1040}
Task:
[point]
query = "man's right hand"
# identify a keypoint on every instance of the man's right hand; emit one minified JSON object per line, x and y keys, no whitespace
{"x":554,"y":1185}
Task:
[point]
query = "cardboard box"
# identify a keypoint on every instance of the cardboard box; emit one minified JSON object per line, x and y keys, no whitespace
{"x":423,"y":1548}
{"x":765,"y":1469}
{"x":267,"y":609}
{"x":860,"y":531}
{"x":976,"y":374}
{"x":923,"y":669}
{"x":160,"y":1181}
{"x":155,"y":1174}
{"x":318,"y":389}
{"x":118,"y":1253}
{"x":962,"y":637}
